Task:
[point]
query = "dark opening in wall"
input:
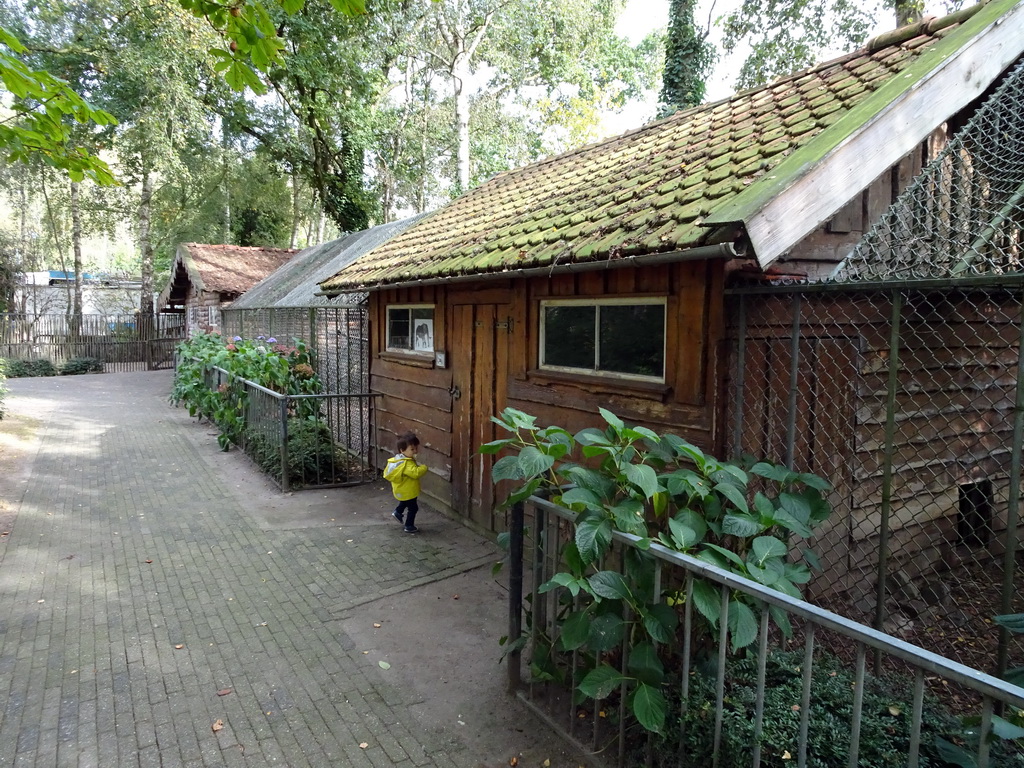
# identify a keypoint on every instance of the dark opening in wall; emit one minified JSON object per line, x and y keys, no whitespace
{"x":974,"y":519}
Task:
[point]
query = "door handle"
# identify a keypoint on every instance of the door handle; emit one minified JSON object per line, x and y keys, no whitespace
{"x":455,"y":392}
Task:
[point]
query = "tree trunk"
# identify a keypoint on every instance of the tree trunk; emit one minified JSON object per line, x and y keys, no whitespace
{"x":461,"y":123}
{"x":295,"y":210}
{"x":907,"y":12}
{"x":146,"y":246}
{"x":76,"y":247}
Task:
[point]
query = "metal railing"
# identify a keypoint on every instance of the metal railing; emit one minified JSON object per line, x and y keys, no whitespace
{"x":301,"y":441}
{"x":706,"y":692}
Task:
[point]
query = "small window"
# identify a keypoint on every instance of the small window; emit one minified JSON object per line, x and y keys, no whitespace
{"x":622,"y":337}
{"x":411,"y":329}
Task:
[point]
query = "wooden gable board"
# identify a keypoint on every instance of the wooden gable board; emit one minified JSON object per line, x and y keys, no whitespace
{"x":859,"y":147}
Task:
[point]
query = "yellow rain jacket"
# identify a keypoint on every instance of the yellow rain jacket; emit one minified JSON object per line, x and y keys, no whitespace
{"x":404,"y":475}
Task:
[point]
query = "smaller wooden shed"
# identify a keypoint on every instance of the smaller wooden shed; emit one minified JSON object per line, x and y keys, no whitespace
{"x":205,"y":278}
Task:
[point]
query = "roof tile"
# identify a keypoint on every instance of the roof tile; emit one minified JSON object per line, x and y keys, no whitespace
{"x":649,"y":189}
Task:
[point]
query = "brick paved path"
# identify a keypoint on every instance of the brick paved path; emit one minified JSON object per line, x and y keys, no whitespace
{"x":146,"y":573}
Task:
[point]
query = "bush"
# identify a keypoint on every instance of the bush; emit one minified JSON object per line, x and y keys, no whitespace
{"x":18,"y":369}
{"x":312,"y":454}
{"x":885,"y":718}
{"x":79,"y":365}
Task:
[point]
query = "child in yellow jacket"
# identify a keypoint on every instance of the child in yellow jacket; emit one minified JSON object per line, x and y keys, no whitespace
{"x":404,"y":473}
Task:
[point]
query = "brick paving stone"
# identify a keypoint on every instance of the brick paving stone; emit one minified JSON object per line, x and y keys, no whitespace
{"x":130,"y":540}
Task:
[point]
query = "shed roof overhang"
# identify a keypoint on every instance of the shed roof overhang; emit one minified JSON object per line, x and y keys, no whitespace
{"x":814,"y":182}
{"x":727,"y":250}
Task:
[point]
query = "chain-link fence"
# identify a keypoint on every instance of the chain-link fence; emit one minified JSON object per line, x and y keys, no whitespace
{"x":900,"y":381}
{"x":338,"y":337}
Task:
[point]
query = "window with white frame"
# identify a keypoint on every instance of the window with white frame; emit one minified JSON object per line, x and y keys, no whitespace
{"x":411,"y":328}
{"x":624,"y":337}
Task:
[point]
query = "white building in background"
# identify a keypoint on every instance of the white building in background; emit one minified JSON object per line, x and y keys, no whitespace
{"x":51,"y":292}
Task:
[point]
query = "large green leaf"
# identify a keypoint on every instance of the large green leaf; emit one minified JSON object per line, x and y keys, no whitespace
{"x":506,"y":468}
{"x":601,"y":681}
{"x":742,"y":625}
{"x":743,"y":526}
{"x":815,"y":482}
{"x":523,"y":493}
{"x":775,"y":472}
{"x":954,"y":755}
{"x":796,"y":505}
{"x":566,"y":580}
{"x":728,"y":554}
{"x":612,"y":419}
{"x":583,"y":496}
{"x":593,"y":537}
{"x":643,"y":477}
{"x":610,"y":585}
{"x":649,"y":707}
{"x":683,"y":536}
{"x":707,"y":599}
{"x":1004,"y":729}
{"x":494,"y":446}
{"x":733,"y":494}
{"x":1012,"y":621}
{"x":645,"y":664}
{"x":660,"y":621}
{"x":769,"y":574}
{"x":533,"y":462}
{"x":765,"y":547}
{"x":782,"y":517}
{"x":575,"y":630}
{"x":606,"y":632}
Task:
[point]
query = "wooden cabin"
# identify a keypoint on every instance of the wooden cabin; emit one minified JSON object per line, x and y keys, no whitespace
{"x":598,"y":278}
{"x":205,"y":278}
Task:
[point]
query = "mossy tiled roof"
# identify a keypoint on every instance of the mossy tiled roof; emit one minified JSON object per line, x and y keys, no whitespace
{"x":650,"y":190}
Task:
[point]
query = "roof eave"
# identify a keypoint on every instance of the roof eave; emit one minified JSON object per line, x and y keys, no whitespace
{"x":726,"y":250}
{"x":816,"y":181}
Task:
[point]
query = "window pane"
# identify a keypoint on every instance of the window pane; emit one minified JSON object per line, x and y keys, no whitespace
{"x":398,"y":329}
{"x":569,"y":336}
{"x":633,"y":339}
{"x":423,"y":329}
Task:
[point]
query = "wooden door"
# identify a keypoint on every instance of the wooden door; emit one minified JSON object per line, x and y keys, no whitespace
{"x":479,"y":357}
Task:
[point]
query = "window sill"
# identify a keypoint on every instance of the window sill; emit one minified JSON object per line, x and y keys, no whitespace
{"x":416,"y":361}
{"x":654,"y":390}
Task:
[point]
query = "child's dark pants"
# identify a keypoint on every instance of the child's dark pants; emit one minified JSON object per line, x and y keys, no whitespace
{"x":408,"y":508}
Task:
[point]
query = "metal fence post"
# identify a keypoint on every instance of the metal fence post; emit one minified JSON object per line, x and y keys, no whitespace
{"x":1012,"y":504}
{"x":890,"y":432}
{"x":794,"y":373}
{"x":284,"y":443}
{"x":515,"y":595}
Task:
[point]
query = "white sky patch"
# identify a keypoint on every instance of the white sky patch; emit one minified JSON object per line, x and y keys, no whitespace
{"x":641,"y":17}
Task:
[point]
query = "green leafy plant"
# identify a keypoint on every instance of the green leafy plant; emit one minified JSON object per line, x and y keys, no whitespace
{"x":885,"y":718}
{"x":313,"y":456}
{"x":79,"y":365}
{"x":17,"y":369}
{"x":656,"y":487}
{"x":1003,"y":729}
{"x":286,"y":369}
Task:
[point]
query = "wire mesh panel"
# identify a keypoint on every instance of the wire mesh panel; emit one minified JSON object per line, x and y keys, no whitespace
{"x":907,"y":402}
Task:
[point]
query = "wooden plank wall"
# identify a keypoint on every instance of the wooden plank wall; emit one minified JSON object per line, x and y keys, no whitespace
{"x":953,"y":416}
{"x":684,"y":405}
{"x":416,"y":395}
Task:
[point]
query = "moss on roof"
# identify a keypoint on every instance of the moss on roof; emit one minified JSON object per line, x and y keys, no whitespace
{"x":653,"y":189}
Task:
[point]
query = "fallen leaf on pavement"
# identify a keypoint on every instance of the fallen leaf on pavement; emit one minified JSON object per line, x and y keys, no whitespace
{"x":376,"y":625}
{"x":223,"y":691}
{"x":149,"y":561}
{"x":383,"y":665}
{"x":363,"y":745}
{"x":179,"y":646}
{"x":514,"y":762}
{"x":455,"y":597}
{"x":217,"y":725}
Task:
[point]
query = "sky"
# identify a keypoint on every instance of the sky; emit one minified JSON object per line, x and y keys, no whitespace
{"x":641,"y":17}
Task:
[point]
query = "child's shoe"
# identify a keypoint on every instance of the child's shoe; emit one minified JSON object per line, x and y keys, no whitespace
{"x":411,"y":529}
{"x":398,"y":516}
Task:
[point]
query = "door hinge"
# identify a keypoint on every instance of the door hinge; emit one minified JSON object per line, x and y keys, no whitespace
{"x":506,"y":325}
